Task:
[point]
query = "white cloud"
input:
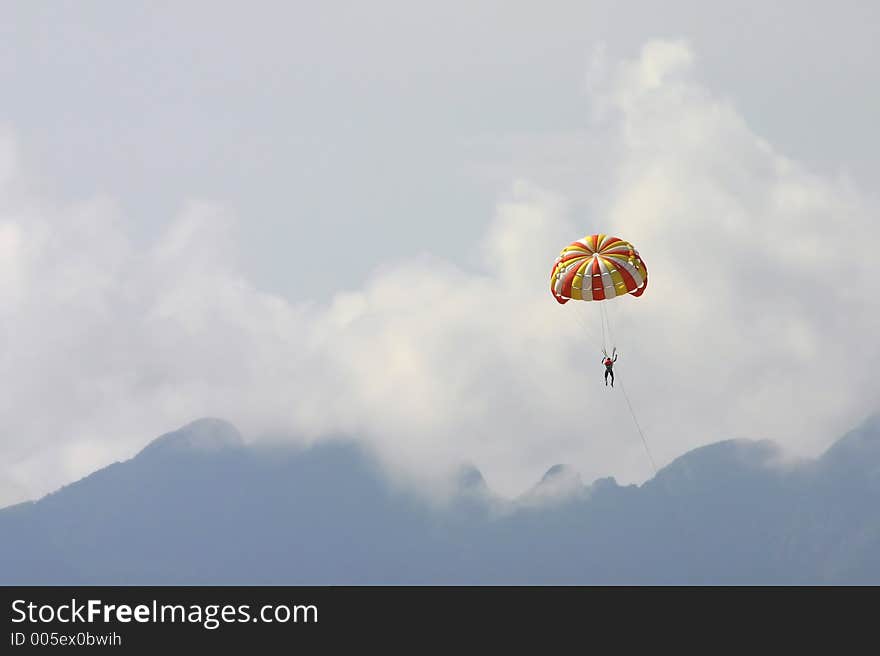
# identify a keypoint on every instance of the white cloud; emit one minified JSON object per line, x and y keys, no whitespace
{"x":759,"y":320}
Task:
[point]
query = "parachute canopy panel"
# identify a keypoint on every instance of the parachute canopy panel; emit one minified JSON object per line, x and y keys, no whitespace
{"x":598,"y":268}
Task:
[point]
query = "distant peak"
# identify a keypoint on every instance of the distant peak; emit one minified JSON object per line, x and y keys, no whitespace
{"x":470,"y":478}
{"x":731,"y":451}
{"x":720,"y":460}
{"x":605,"y":483}
{"x":206,"y":434}
{"x":560,"y":482}
{"x":858,"y":448}
{"x":558,"y":473}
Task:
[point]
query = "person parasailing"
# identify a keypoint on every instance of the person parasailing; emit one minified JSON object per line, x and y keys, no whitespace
{"x":599,"y":269}
{"x":609,"y":367}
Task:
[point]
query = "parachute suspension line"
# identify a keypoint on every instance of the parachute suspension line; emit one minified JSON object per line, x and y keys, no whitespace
{"x":638,"y":427}
{"x":609,"y":341}
{"x":588,"y":330}
{"x":613,"y":311}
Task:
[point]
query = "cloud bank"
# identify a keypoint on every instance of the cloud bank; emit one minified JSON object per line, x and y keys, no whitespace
{"x":760,"y":319}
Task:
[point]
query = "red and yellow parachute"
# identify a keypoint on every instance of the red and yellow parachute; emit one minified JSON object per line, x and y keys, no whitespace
{"x":597,"y":268}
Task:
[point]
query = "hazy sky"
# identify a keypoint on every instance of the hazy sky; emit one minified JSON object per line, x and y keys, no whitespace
{"x":341,"y":219}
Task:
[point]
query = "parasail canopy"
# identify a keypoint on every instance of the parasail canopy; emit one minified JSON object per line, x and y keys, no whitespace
{"x":598,"y":268}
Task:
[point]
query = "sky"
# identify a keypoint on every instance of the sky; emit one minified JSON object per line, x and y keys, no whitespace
{"x":316,"y":221}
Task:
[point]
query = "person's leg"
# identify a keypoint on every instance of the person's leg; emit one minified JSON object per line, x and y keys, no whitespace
{"x":606,"y":376}
{"x":612,"y":377}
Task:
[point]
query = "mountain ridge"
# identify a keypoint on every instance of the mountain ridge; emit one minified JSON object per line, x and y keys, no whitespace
{"x":199,"y":506}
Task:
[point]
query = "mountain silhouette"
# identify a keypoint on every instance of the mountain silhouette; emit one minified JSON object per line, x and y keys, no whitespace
{"x":200,"y":506}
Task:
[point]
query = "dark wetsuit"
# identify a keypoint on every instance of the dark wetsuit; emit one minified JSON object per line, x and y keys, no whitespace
{"x":609,"y":370}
